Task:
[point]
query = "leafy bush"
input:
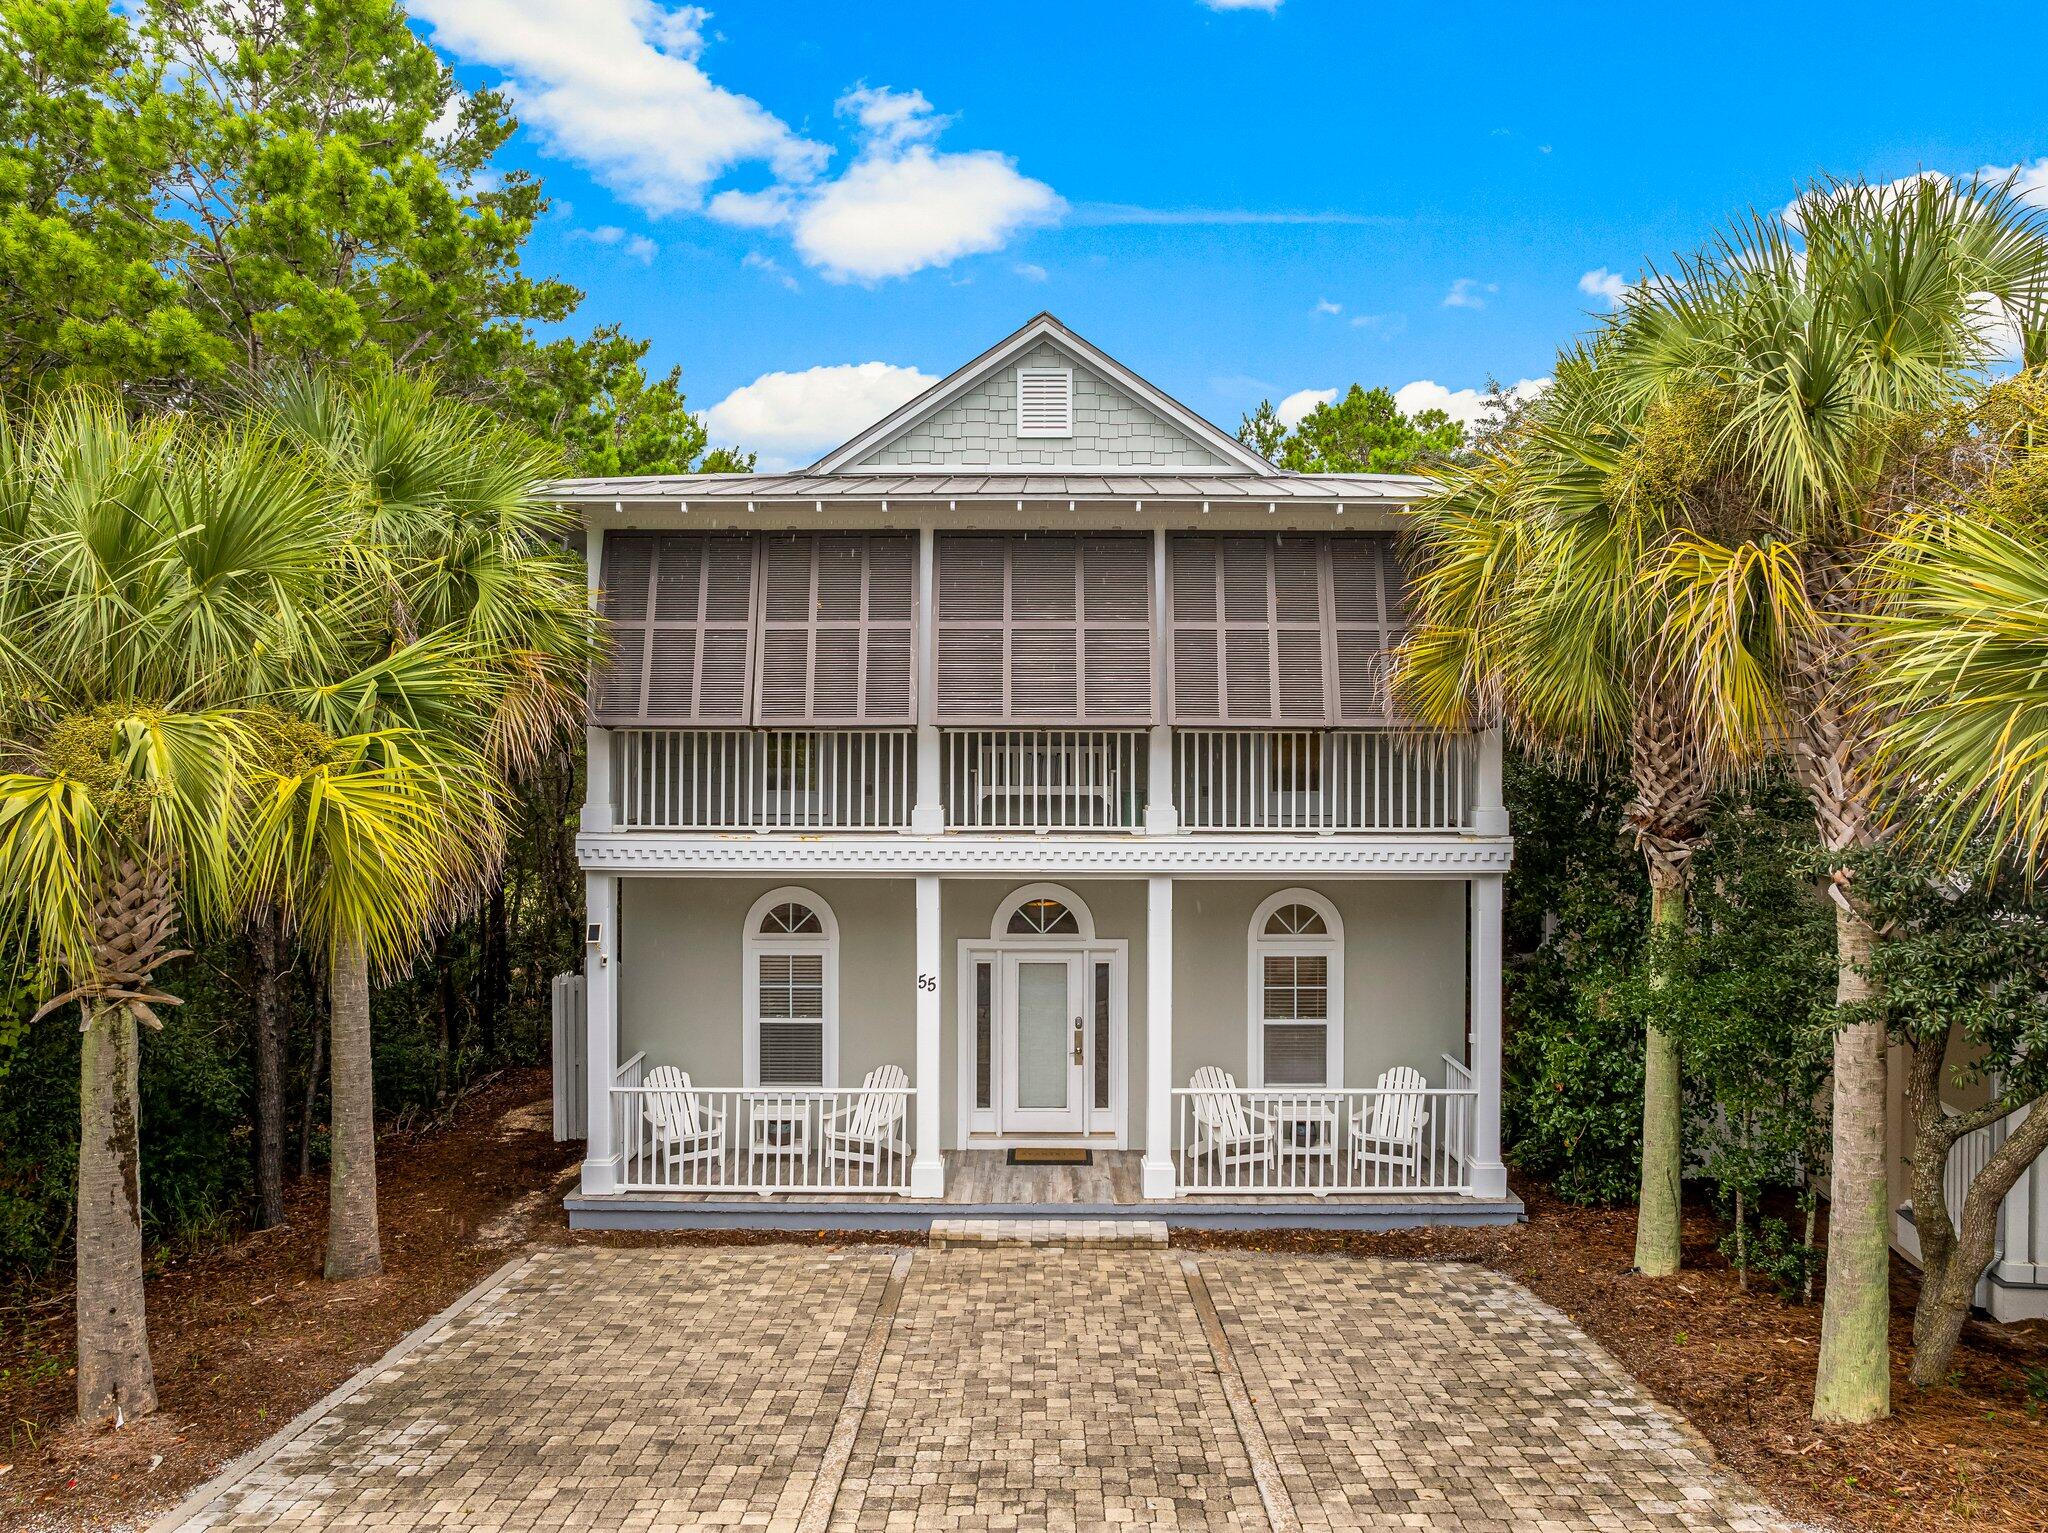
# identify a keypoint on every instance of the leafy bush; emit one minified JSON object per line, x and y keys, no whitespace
{"x":1572,"y":1054}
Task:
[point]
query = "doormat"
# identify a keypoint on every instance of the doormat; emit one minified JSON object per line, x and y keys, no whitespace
{"x":1047,"y":1155}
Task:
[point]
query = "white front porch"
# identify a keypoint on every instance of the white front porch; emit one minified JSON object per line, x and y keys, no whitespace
{"x":1201,"y":1042}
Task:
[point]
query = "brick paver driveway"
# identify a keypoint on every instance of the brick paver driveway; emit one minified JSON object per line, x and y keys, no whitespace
{"x":799,"y":1388}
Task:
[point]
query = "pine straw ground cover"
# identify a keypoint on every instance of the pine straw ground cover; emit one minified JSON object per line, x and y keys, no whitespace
{"x":247,"y":1336}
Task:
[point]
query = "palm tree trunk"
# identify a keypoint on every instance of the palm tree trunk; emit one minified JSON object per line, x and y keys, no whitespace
{"x":267,"y":948}
{"x":114,"y":1374}
{"x":352,"y":1249}
{"x":1658,"y":1213}
{"x":1853,"y":1381}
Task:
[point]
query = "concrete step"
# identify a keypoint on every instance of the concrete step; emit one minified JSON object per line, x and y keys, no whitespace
{"x":958,"y":1233}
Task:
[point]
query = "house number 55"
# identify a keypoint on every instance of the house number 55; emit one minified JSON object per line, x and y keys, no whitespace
{"x":927,"y":982}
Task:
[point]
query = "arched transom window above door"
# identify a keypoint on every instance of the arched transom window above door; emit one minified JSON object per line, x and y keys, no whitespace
{"x":1296,"y":973}
{"x":791,"y":987}
{"x":1042,"y":910}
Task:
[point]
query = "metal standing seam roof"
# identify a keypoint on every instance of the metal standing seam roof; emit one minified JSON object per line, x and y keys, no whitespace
{"x":1162,"y":484}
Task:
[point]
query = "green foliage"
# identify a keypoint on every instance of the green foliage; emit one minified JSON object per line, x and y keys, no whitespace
{"x":1964,"y":969}
{"x":1362,"y":433}
{"x":1770,"y":1249}
{"x":197,"y":192}
{"x":1748,"y":990}
{"x":1573,"y":1059}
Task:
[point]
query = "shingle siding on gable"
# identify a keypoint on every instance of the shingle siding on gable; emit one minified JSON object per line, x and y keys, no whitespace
{"x":1111,"y":430}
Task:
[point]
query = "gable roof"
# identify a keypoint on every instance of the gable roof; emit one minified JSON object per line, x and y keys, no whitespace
{"x":1041,"y":328}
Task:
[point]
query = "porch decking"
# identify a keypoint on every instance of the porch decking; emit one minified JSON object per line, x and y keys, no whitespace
{"x":981,"y":1184}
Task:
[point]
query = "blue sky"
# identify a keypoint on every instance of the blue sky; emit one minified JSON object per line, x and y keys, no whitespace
{"x":814,"y":208}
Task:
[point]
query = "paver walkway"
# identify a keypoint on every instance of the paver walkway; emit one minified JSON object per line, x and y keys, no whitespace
{"x":1005,"y":1387}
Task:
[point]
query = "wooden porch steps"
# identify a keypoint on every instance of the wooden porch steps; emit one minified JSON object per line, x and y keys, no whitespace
{"x":957,"y":1233}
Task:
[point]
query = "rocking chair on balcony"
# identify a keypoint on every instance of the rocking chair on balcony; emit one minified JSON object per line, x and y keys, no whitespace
{"x":1228,"y":1130}
{"x":1388,"y":1140}
{"x":865,"y":1133}
{"x":687,"y":1131}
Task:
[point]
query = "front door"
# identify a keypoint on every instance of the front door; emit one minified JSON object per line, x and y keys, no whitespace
{"x":1044,"y":1057}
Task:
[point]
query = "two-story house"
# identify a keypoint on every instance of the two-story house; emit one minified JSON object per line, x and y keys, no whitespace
{"x":1009,"y":811}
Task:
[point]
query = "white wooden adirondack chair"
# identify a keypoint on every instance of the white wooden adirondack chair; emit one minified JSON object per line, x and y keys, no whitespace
{"x":1387,"y":1141}
{"x":1226,"y":1127}
{"x":867,"y":1131}
{"x":687,"y":1130}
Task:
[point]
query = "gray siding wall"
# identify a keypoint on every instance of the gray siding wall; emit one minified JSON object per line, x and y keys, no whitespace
{"x":681,"y":939}
{"x":1111,"y":430}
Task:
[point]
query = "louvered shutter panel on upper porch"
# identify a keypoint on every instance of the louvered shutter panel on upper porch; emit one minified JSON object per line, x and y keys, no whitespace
{"x":1247,"y":630}
{"x":681,"y":611}
{"x":1368,"y":620}
{"x":1044,"y":630}
{"x":837,"y":615}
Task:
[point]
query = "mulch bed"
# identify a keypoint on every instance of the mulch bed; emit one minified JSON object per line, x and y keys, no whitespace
{"x":246,"y":1337}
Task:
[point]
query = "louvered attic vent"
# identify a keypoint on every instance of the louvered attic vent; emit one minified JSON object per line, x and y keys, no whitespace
{"x":1045,"y":401}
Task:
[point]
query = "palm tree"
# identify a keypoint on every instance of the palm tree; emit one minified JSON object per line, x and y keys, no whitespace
{"x":356,"y":841}
{"x":469,"y":625}
{"x":1779,"y":375}
{"x":1532,"y":604}
{"x":156,"y":581}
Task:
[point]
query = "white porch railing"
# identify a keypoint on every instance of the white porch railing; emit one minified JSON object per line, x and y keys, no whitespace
{"x":1279,"y":1140}
{"x":764,"y":1139}
{"x":1458,"y":1077}
{"x":1044,"y":779}
{"x":764,"y":779}
{"x":1316,"y":779}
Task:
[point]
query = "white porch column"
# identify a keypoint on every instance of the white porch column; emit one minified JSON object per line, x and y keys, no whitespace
{"x":601,"y":1029}
{"x":928,"y":1170}
{"x":1488,"y":1175}
{"x":1157,"y":1167}
{"x":1162,"y":815}
{"x":928,"y":814}
{"x":1489,"y":806}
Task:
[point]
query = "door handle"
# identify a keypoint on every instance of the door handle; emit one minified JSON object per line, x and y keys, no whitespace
{"x":1079,"y":1035}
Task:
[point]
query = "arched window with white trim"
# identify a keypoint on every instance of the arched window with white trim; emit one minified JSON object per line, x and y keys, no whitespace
{"x":1296,"y":971}
{"x":791,"y":990}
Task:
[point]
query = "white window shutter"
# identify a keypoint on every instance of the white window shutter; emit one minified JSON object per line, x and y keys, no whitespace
{"x":1045,"y":401}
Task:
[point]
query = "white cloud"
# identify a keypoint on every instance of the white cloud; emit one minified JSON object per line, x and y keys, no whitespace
{"x":1602,"y":283}
{"x":1470,"y":293}
{"x":789,"y":418}
{"x":1465,"y":406}
{"x":768,"y":266}
{"x":637,"y":246}
{"x":1325,"y":306}
{"x":1300,"y":403}
{"x":1268,"y":6}
{"x":1030,"y":271}
{"x":616,"y":86}
{"x":902,"y":205}
{"x":2030,"y":182}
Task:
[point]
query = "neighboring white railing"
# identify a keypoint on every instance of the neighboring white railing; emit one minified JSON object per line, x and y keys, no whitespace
{"x":631,"y":1072}
{"x":1315,"y":779}
{"x":763,"y":1140}
{"x":1280,"y":1140}
{"x":1044,"y":779}
{"x":764,"y":779}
